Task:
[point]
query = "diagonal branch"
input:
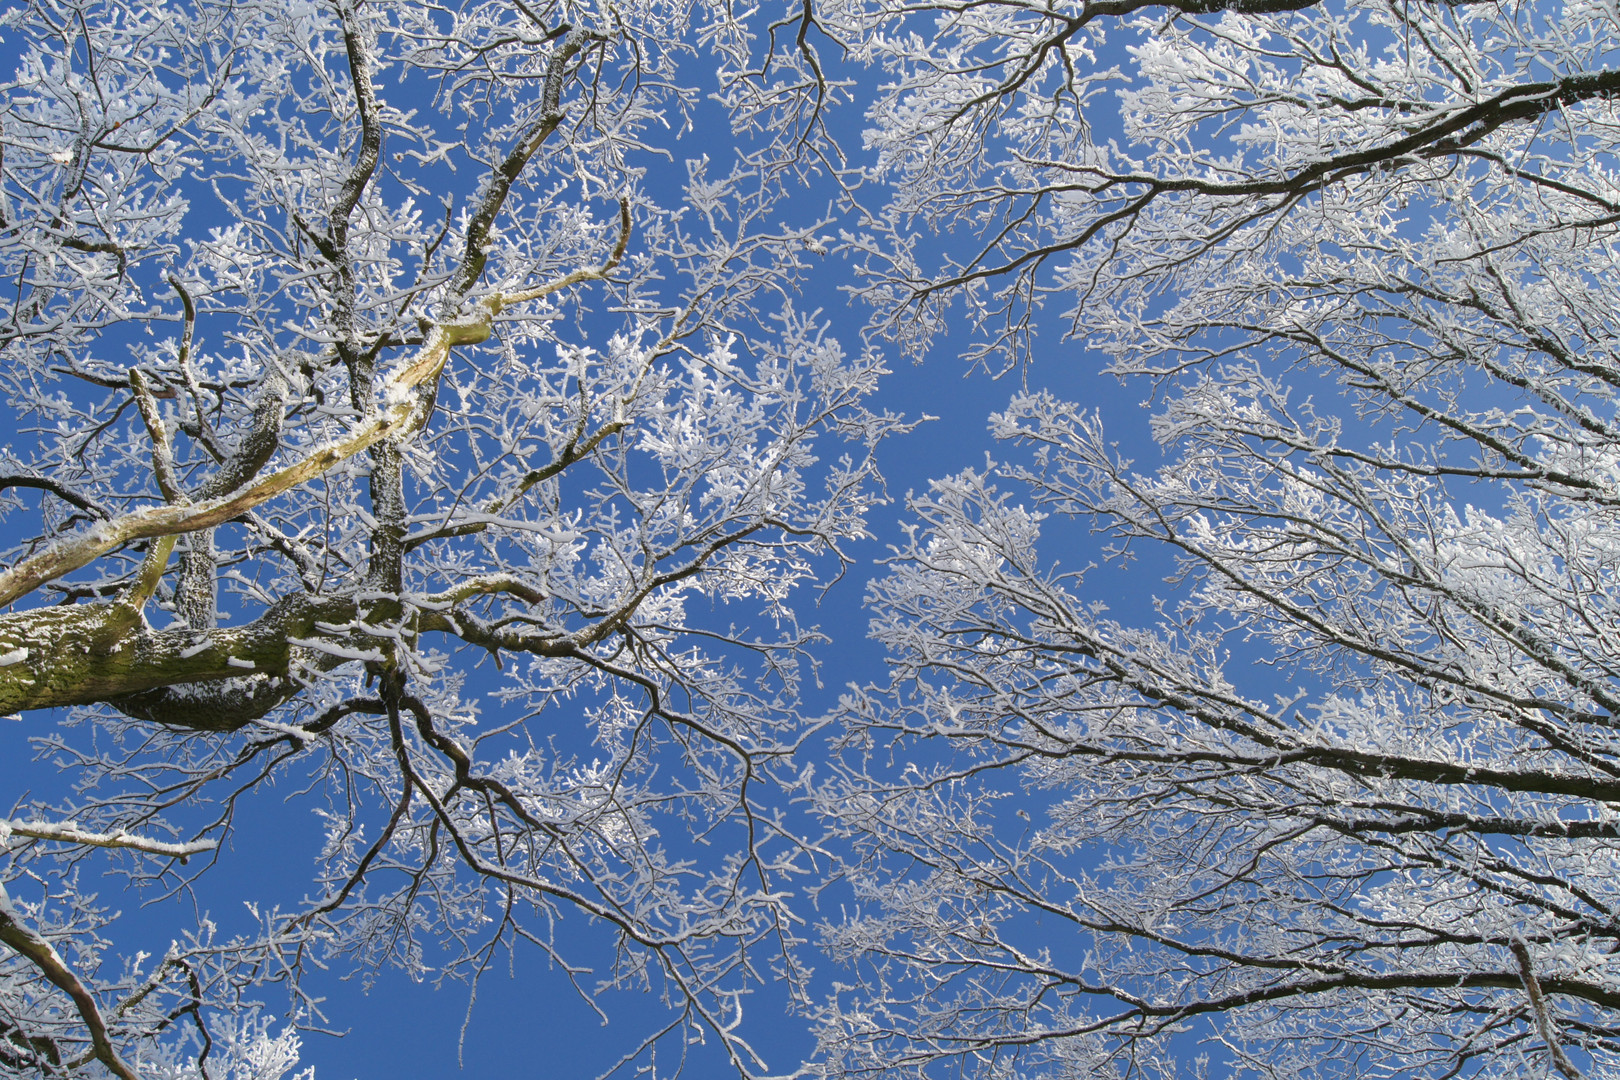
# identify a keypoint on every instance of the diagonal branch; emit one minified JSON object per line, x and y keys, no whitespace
{"x":1538,"y":1006}
{"x":29,"y":944}
{"x":405,"y":416}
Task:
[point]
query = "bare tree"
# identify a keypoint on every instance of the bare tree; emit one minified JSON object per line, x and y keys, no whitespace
{"x":1347,"y":807}
{"x":349,"y":347}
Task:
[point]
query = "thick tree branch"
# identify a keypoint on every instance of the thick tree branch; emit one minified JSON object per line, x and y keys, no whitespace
{"x":499,"y":183}
{"x":84,"y":653}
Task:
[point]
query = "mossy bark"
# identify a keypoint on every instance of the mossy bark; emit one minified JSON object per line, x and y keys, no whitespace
{"x":86,"y":653}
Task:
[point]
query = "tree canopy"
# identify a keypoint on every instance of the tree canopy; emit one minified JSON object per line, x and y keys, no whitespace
{"x":1346,"y":805}
{"x":306,"y":428}
{"x":415,"y":406}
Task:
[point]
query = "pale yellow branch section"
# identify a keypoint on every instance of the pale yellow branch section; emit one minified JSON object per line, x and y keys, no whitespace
{"x":162,"y":452}
{"x":152,"y":567}
{"x":404,"y":413}
{"x":597,"y":273}
{"x":68,"y":833}
{"x":487,"y":585}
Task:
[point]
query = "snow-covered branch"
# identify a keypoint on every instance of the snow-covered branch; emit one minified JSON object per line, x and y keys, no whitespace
{"x":69,"y":833}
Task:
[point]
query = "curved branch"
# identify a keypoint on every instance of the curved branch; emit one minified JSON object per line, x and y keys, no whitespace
{"x":61,"y":491}
{"x":29,"y":944}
